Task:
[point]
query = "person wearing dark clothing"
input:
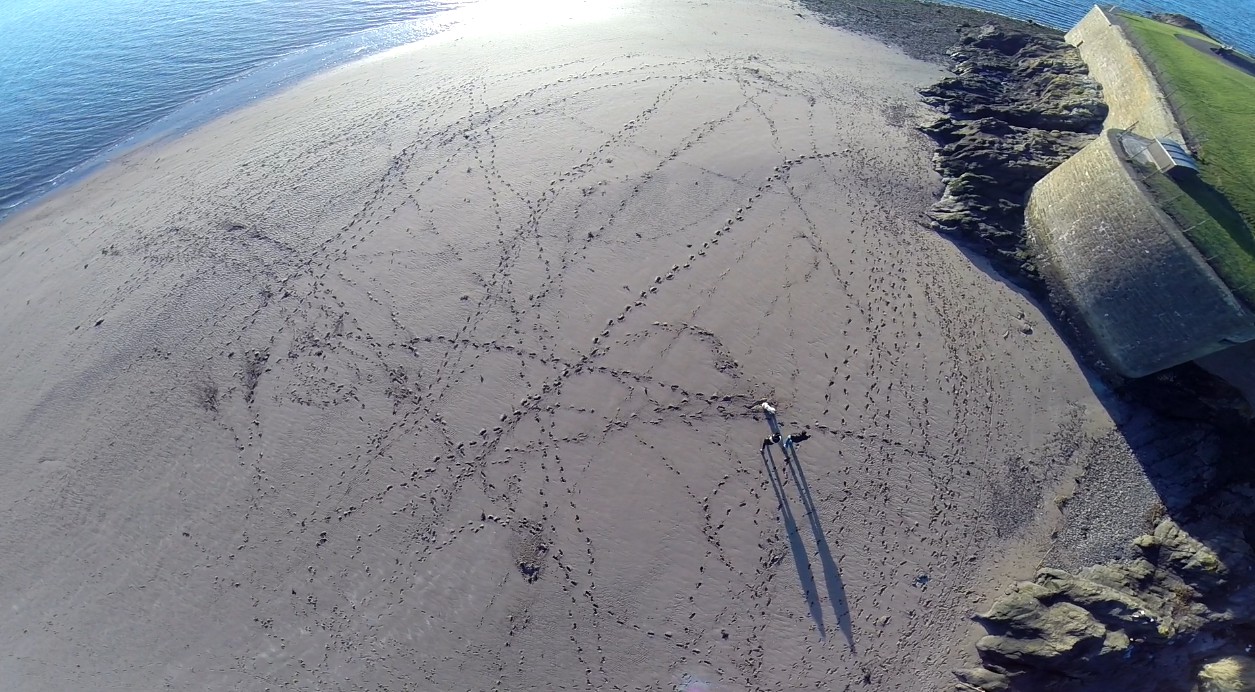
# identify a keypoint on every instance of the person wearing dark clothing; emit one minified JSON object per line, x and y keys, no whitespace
{"x":769,"y":441}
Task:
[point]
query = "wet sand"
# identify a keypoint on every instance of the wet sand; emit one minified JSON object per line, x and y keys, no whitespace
{"x":434,"y":373}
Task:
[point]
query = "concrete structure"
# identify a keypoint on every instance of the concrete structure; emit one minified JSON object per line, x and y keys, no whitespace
{"x":1163,"y":155}
{"x":1132,"y":93}
{"x":1170,"y":156}
{"x":1145,"y":293}
{"x":1148,"y":297}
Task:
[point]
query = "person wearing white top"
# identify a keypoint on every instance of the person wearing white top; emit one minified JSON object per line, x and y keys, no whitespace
{"x":770,"y":412}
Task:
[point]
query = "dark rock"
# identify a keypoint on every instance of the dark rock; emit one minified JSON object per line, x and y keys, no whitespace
{"x":1019,"y":105}
{"x":1187,"y":392}
{"x":1182,"y":21}
{"x":922,"y":30}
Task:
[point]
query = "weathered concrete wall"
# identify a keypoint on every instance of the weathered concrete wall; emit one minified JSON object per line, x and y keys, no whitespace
{"x":1148,"y":297}
{"x":1130,"y":89}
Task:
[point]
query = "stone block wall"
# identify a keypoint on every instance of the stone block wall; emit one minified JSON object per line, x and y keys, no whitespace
{"x":1132,"y":93}
{"x":1147,"y":296}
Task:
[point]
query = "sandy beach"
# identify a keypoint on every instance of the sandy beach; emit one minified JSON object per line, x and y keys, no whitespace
{"x":434,"y":373}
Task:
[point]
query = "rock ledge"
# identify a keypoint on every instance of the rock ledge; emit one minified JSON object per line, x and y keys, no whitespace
{"x":1177,"y":602}
{"x":1019,"y":105}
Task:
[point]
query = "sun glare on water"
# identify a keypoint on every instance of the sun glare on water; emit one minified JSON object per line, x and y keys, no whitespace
{"x":509,"y":16}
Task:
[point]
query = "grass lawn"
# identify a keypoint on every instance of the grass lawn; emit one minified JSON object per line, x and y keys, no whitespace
{"x":1213,"y":225}
{"x":1216,"y":102}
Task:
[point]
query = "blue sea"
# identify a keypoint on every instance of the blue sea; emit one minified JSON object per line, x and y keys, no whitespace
{"x":1230,"y":21}
{"x":82,"y":79}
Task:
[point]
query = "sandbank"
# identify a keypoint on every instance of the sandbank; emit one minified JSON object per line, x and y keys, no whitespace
{"x":432,"y":373}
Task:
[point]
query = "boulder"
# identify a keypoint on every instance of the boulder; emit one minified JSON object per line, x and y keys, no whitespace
{"x":1207,"y":566}
{"x":1114,"y":608}
{"x":1062,"y":637}
{"x":1179,"y":600}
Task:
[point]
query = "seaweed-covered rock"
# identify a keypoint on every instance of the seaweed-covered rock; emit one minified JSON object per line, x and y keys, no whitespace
{"x":1025,"y":81}
{"x":1019,"y":105}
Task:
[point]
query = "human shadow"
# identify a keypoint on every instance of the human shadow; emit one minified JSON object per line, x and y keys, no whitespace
{"x":804,"y":572}
{"x":832,"y":576}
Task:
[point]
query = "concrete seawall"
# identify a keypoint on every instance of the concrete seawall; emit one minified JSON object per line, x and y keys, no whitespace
{"x":1149,"y":298}
{"x":1132,"y":93}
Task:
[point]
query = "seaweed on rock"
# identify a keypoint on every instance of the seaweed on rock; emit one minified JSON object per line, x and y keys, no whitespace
{"x":1018,"y":105}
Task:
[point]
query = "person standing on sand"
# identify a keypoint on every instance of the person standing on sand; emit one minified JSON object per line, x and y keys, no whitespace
{"x":790,"y":442}
{"x":770,"y":412}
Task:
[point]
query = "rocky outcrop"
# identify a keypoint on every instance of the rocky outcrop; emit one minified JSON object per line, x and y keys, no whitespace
{"x":1180,"y":20}
{"x":922,"y":30}
{"x":1019,"y":105}
{"x":1178,"y":599}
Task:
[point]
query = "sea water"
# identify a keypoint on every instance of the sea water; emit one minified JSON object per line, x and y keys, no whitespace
{"x":81,"y":79}
{"x":1230,"y":21}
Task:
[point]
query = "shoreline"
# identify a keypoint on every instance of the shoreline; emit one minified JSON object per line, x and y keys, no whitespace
{"x":886,"y":22}
{"x":288,"y":71}
{"x":280,"y":74}
{"x":259,"y":82}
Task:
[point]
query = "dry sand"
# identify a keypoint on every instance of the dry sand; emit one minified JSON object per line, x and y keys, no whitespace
{"x":433,"y":372}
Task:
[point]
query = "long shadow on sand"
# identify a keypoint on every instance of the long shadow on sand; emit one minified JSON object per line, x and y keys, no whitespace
{"x":832,"y":576}
{"x":804,"y":573}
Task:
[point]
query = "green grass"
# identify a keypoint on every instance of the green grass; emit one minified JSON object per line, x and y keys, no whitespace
{"x":1213,"y":225}
{"x":1216,"y":104}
